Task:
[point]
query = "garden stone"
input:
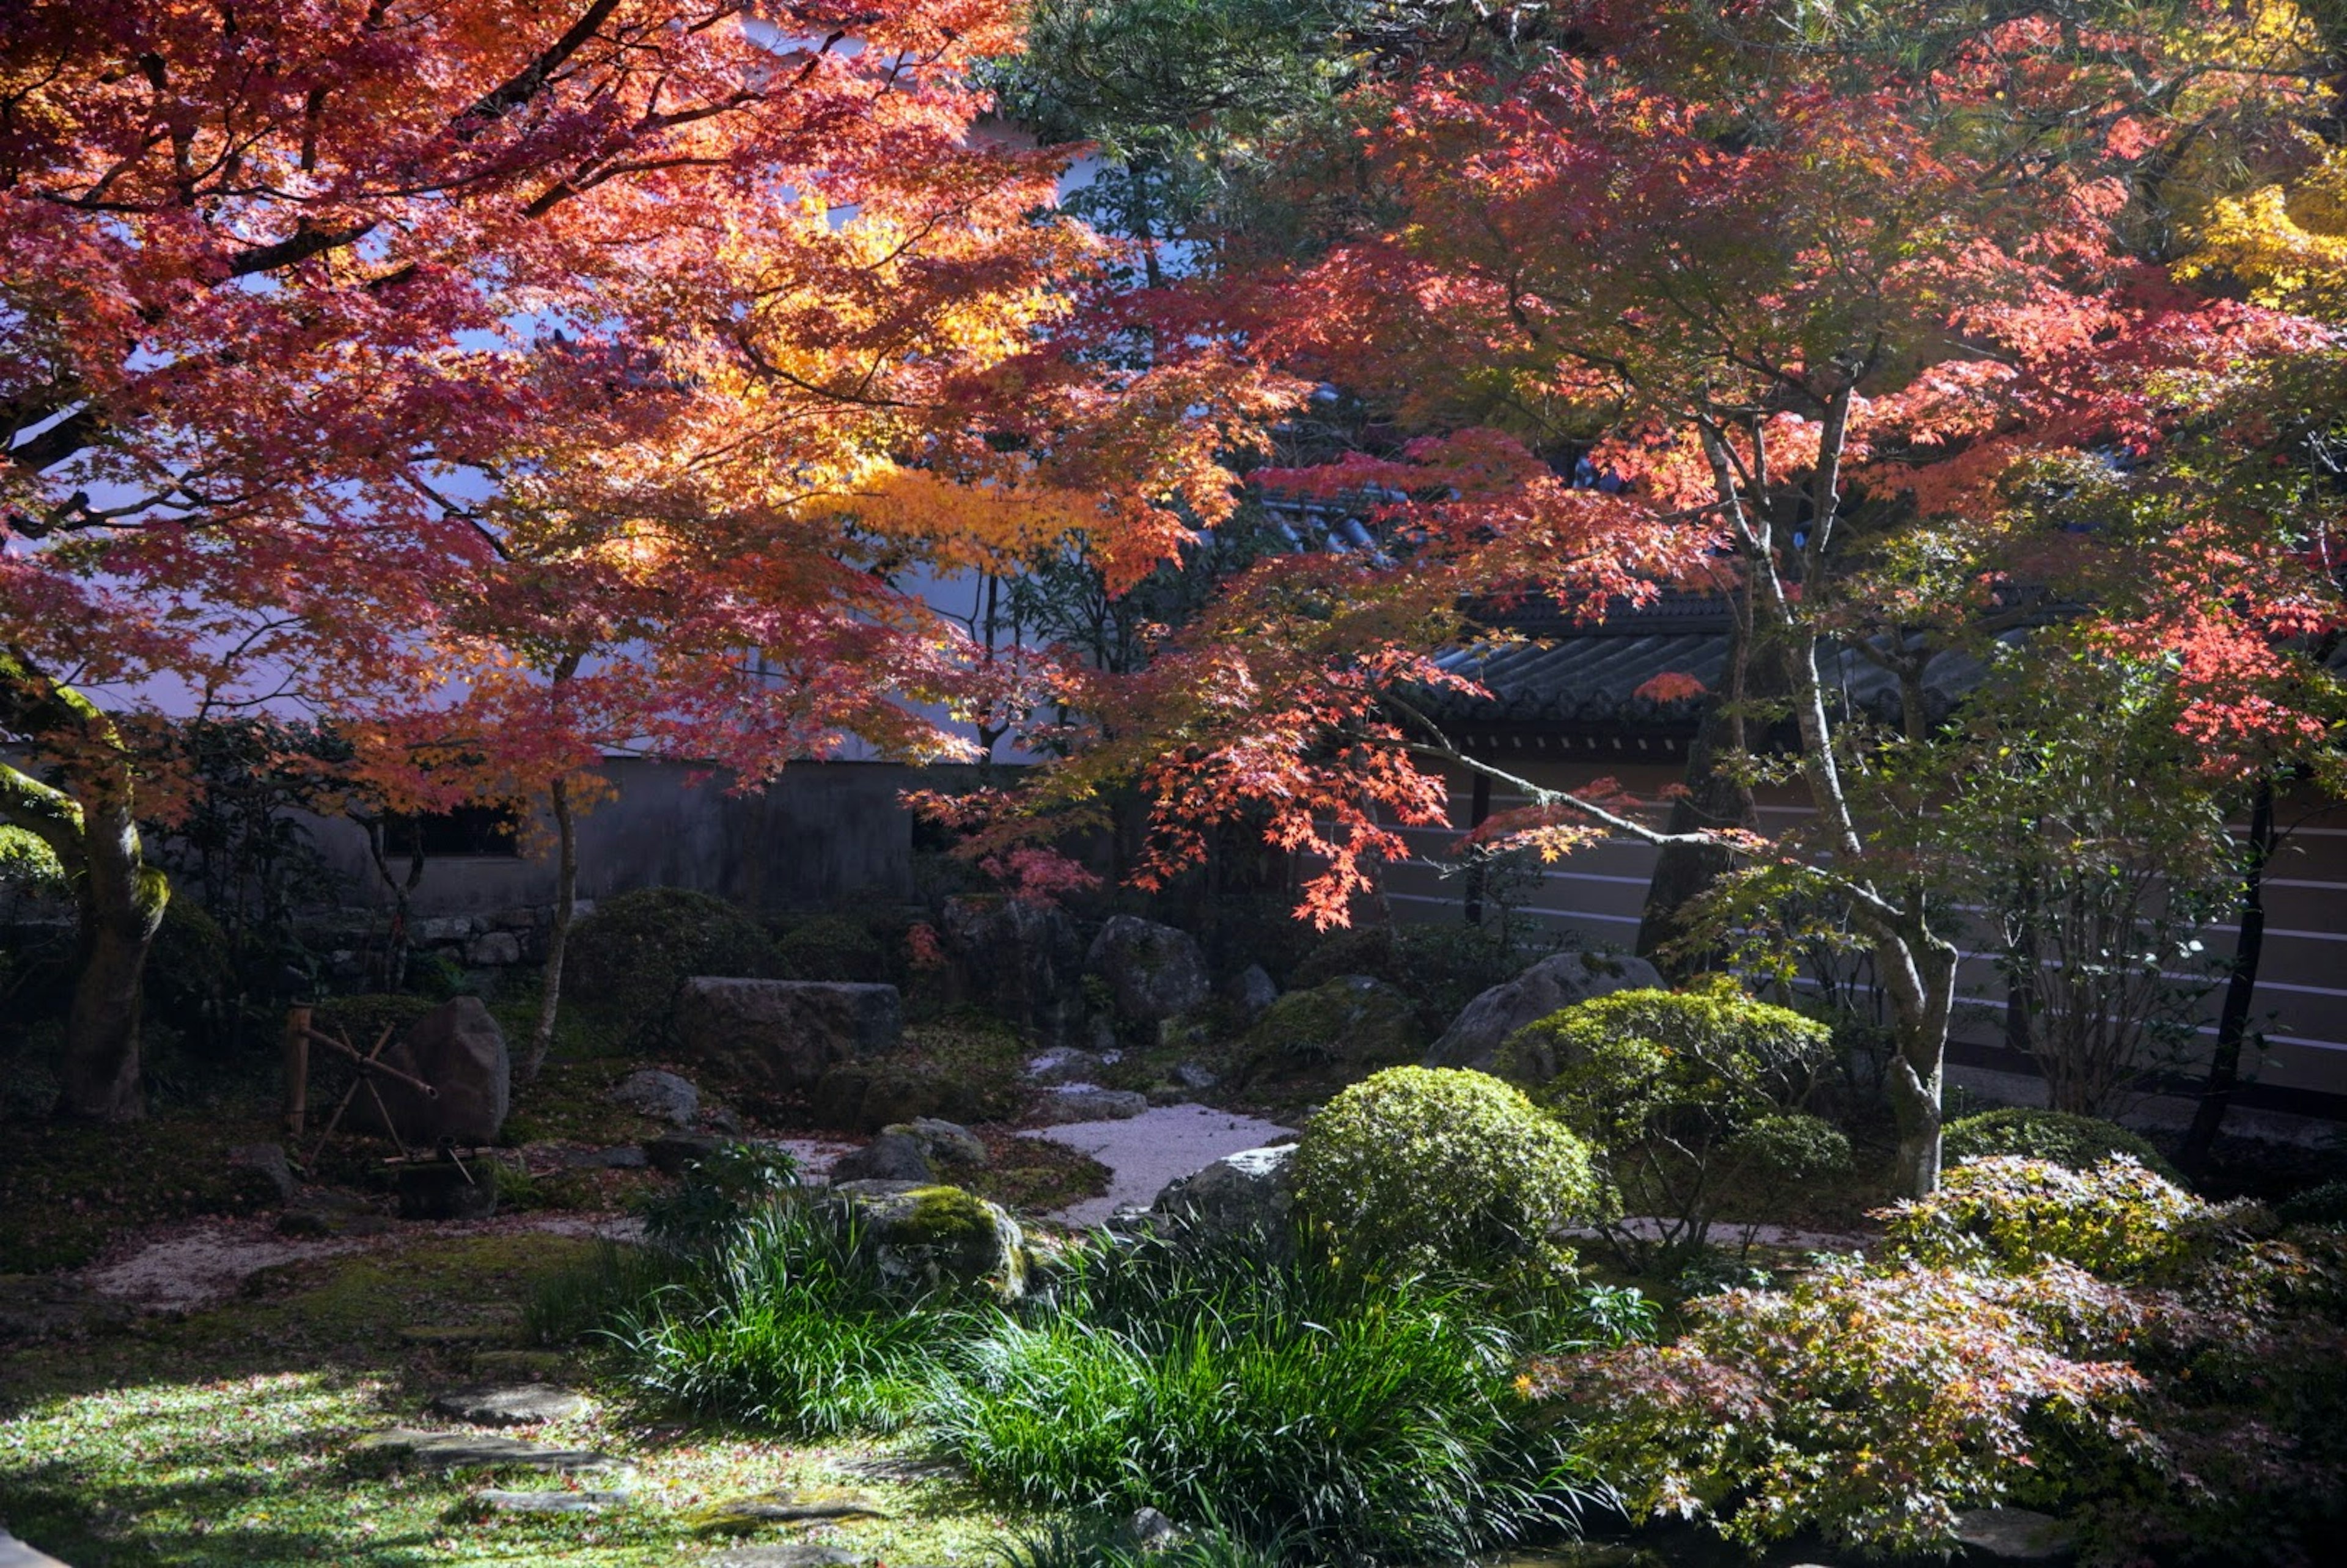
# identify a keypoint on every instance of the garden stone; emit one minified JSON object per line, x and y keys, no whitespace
{"x":1151,"y":1532}
{"x":1193,"y":1077}
{"x":1250,"y":993}
{"x":2015,"y":1535}
{"x":1153,"y":971}
{"x":1020,"y":961}
{"x":460,"y":1451}
{"x":930,"y":1235}
{"x":1559,"y":980}
{"x":785,"y":1035}
{"x":867,"y":1098}
{"x":37,"y":1305}
{"x":890,"y":1157}
{"x":949,"y":1142}
{"x":444,"y":929}
{"x":1066,"y":1065}
{"x":494,"y":950}
{"x":742,"y":1513}
{"x":1348,"y":1026}
{"x":795,"y":1554}
{"x":648,"y":1091}
{"x":628,"y":1156}
{"x":1086,"y":1102}
{"x":551,"y":1502}
{"x":261,"y":1171}
{"x":1248,"y":1196}
{"x":509,"y":1404}
{"x":672,"y":1153}
{"x":458,"y":1049}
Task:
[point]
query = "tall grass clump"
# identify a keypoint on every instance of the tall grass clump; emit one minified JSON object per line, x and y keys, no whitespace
{"x":787,"y":1327}
{"x":1356,"y":1419}
{"x":1093,"y":1541}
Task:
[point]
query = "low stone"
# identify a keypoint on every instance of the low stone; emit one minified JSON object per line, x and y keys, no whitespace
{"x":869,"y":1096}
{"x":1250,"y":1195}
{"x":494,"y":950}
{"x":551,"y":1502}
{"x":783,"y":1036}
{"x":1559,"y":980}
{"x":1346,"y":1028}
{"x":718,"y":1119}
{"x":1190,"y":1075}
{"x":478,"y":1450}
{"x":1066,"y":1065}
{"x":890,"y":1157}
{"x":261,"y":1171}
{"x":1153,"y":971}
{"x":945,"y":1142}
{"x":509,"y":1404}
{"x":444,"y":929}
{"x":458,"y":1049}
{"x":652,"y":1092}
{"x":929,"y":1235}
{"x":2015,"y":1535}
{"x":745,"y":1514}
{"x":791,"y":1555}
{"x":1150,"y":1530}
{"x":42,"y":1307}
{"x":671,"y":1152}
{"x":1250,"y":993}
{"x":1086,"y":1102}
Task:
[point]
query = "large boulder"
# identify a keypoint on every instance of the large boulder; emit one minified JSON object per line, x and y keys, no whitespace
{"x":1248,"y":1196}
{"x":783,"y":1036}
{"x":1021,"y":963}
{"x":926,"y":1236}
{"x":1153,"y":971}
{"x":660,"y":1095}
{"x":459,"y":1050}
{"x":1342,"y":1030}
{"x":1559,"y":980}
{"x":890,"y":1157}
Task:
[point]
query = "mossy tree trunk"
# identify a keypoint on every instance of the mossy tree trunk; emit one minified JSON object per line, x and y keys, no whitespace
{"x":119,"y":898}
{"x":566,"y":903}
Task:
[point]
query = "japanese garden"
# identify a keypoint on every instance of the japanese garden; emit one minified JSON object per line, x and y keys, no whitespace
{"x":1172,"y":784}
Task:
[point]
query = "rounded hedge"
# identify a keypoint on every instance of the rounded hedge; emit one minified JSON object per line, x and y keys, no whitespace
{"x":626,"y":959}
{"x":2073,"y":1142}
{"x":1438,"y":1170}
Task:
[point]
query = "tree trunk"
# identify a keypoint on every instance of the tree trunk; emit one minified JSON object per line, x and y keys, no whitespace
{"x":2241,"y":988}
{"x":1715,"y":798}
{"x":121,"y":901}
{"x":566,"y":900}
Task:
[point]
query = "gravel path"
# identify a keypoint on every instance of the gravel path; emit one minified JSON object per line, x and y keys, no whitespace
{"x":1152,"y":1148}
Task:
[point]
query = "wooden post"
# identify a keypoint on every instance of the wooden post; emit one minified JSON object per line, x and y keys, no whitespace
{"x":297,"y":1068}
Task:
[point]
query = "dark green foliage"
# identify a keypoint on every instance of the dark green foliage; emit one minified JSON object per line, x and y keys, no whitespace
{"x":191,"y":982}
{"x":1358,"y":1421}
{"x":2322,"y":1205}
{"x":1440,"y":965}
{"x":1686,"y":1094}
{"x":835,"y":947}
{"x":1421,"y":1170}
{"x":628,"y":958}
{"x":2079,"y":1142}
{"x":718,"y":1193}
{"x":1093,"y":1541}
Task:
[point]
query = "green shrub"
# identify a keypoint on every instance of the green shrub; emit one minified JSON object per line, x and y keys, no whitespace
{"x":1435,"y":1170}
{"x":2080,"y":1142}
{"x":1440,"y":965}
{"x":834,"y":947}
{"x":1097,"y":1541}
{"x":2117,"y":1220}
{"x":1361,"y":1420}
{"x":626,"y":959}
{"x":1870,"y":1406}
{"x":2321,"y":1205}
{"x":717,"y":1195}
{"x":1687,"y":1095}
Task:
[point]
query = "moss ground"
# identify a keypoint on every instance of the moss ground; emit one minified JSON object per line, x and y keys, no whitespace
{"x":226,"y":1437}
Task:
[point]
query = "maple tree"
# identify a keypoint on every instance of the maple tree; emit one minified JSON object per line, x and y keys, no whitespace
{"x":1833,"y":300}
{"x":515,"y":382}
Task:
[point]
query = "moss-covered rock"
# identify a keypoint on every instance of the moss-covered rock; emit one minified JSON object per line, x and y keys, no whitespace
{"x":926,"y":1237}
{"x":1337,"y":1032}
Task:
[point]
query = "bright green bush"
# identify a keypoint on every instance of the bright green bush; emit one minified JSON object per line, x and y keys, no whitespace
{"x":1357,"y":1420}
{"x":1441,"y":1171}
{"x":2080,"y":1142}
{"x":2117,"y":1220}
{"x":1687,"y":1095}
{"x":627,"y":958}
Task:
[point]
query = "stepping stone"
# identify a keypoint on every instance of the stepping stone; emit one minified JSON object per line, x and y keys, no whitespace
{"x":509,"y":1404}
{"x":458,"y":1451}
{"x":2015,"y":1535}
{"x":744,"y":1514}
{"x":551,"y":1502}
{"x":902,"y":1468}
{"x":797,"y":1554}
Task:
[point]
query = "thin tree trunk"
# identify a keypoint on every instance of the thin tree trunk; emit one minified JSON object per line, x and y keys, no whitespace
{"x":566,"y":902}
{"x":1715,"y":798}
{"x":2241,"y":988}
